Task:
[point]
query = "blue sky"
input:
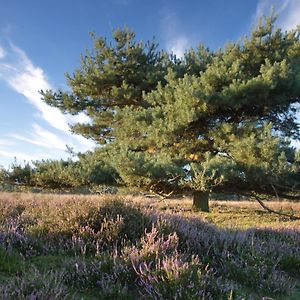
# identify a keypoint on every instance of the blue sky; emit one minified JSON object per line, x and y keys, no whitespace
{"x":41,"y":40}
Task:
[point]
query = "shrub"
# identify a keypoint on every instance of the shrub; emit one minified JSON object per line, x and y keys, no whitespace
{"x":116,"y":221}
{"x":243,"y":257}
{"x":103,"y":274}
{"x":35,"y":285}
{"x":164,"y":272}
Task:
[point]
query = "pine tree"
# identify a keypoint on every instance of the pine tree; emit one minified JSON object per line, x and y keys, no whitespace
{"x":211,"y":121}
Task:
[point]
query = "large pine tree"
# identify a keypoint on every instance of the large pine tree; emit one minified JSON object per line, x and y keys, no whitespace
{"x":211,"y":121}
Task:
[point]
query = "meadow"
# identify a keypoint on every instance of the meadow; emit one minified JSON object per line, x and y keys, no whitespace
{"x":133,"y":247}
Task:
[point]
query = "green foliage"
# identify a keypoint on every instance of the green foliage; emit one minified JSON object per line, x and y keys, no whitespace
{"x":97,"y":169}
{"x":69,"y":174}
{"x":57,"y":174}
{"x":210,"y":121}
{"x":2,"y":174}
{"x":290,"y":264}
{"x":17,"y":173}
{"x":111,"y":76}
{"x":10,"y":263}
{"x":90,"y":169}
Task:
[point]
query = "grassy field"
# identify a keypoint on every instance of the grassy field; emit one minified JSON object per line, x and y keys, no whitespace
{"x":110,"y":247}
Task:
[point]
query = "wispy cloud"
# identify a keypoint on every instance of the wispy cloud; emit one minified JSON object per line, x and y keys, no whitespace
{"x":42,"y":137}
{"x":288,"y":11}
{"x":2,"y":53}
{"x":27,"y":79}
{"x":177,"y":41}
{"x":178,"y":46}
{"x":5,"y":143}
{"x":21,"y":156}
{"x":292,"y":19}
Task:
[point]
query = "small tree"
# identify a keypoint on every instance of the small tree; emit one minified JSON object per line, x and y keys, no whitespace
{"x":212,"y":121}
{"x":88,"y":170}
{"x":17,"y":174}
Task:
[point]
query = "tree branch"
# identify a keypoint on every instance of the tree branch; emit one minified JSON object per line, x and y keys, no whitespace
{"x":259,"y":200}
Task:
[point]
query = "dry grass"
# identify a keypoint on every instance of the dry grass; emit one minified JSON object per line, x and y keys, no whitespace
{"x":230,"y":214}
{"x":186,"y":203}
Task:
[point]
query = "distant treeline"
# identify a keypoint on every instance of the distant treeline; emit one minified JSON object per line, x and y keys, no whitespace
{"x":88,"y":170}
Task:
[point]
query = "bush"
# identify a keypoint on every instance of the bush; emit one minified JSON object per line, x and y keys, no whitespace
{"x":165,"y":272}
{"x":102,"y":274}
{"x":35,"y":285}
{"x":116,"y":221}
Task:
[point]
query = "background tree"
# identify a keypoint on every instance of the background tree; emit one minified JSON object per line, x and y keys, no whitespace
{"x":211,"y":121}
{"x":17,"y":173}
{"x":89,"y":170}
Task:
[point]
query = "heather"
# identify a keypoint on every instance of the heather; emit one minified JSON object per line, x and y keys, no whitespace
{"x":125,"y":247}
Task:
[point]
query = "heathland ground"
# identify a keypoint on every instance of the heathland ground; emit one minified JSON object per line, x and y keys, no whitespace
{"x":134,"y":247}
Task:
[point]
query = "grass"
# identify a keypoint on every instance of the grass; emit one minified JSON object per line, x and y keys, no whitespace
{"x":230,"y":214}
{"x":105,"y":247}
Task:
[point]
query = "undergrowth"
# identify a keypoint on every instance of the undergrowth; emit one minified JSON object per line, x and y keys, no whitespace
{"x":114,"y":249}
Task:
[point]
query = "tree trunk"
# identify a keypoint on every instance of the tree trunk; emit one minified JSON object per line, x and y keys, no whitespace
{"x":200,"y":201}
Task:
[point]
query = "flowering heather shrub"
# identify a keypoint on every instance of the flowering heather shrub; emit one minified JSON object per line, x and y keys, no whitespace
{"x":280,"y":247}
{"x":87,"y":240}
{"x":152,"y":246}
{"x":175,"y":278}
{"x":13,"y":237}
{"x":85,"y":273}
{"x":119,"y":250}
{"x":114,"y":223}
{"x":134,"y":222}
{"x":35,"y":285}
{"x":237,"y":255}
{"x":63,"y":229}
{"x":14,"y":212}
{"x":154,"y":265}
{"x":163,"y":272}
{"x":105,"y":274}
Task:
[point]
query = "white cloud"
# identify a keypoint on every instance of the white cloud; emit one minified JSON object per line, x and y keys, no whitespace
{"x":18,"y":71}
{"x":80,"y":118}
{"x":88,"y":144}
{"x":288,"y":11}
{"x":21,"y":155}
{"x":5,"y":143}
{"x":42,"y":137}
{"x":2,"y":53}
{"x":178,"y":46}
{"x":292,"y":19}
{"x":27,"y":79}
{"x":176,"y":41}
{"x":46,"y":139}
